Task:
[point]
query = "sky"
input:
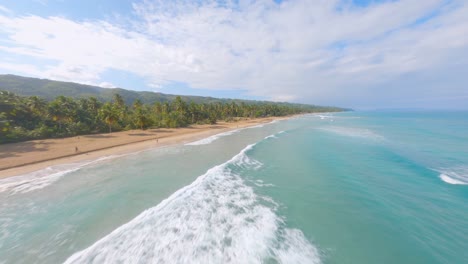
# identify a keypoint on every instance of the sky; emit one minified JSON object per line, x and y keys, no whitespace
{"x":362,"y":54}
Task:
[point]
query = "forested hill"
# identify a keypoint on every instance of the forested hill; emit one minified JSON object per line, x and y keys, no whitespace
{"x":49,"y":90}
{"x":33,"y":108}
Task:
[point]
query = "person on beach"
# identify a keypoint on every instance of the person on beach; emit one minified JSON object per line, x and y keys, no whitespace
{"x":76,"y":149}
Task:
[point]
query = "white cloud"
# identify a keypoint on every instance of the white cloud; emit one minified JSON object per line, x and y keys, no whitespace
{"x":107,"y":85}
{"x":5,"y":10}
{"x":310,"y":51}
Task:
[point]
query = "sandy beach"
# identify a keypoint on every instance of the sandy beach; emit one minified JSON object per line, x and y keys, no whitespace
{"x":29,"y":156}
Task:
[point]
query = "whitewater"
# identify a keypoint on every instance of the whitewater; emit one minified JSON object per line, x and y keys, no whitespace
{"x":216,"y":219}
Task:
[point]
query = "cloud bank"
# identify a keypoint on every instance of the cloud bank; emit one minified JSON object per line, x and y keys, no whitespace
{"x":391,"y":53}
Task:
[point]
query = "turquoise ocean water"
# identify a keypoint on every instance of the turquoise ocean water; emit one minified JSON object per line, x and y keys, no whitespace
{"x":355,"y":187}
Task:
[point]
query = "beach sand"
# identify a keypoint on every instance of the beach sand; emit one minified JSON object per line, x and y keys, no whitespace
{"x":29,"y":156}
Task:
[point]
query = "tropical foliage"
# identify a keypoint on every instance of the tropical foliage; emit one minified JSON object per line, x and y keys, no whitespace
{"x":24,"y":118}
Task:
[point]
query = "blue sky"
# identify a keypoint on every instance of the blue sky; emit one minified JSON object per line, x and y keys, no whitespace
{"x":354,"y":53}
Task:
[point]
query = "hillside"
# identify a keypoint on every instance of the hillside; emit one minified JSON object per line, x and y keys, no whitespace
{"x":33,"y":108}
{"x":49,"y":89}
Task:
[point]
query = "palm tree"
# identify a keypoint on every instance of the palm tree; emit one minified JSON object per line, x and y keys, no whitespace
{"x":109,"y":114}
{"x":140,"y":116}
{"x":118,"y":100}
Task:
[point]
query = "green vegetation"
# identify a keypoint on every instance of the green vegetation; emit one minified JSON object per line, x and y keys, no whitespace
{"x":31,"y":109}
{"x":31,"y":117}
{"x":49,"y":89}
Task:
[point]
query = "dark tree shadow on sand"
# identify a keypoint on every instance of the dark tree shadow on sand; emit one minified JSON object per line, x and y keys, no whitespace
{"x":15,"y":149}
{"x":99,"y":136}
{"x":142,"y":134}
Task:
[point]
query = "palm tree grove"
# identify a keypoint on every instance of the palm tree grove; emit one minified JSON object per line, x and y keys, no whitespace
{"x":31,"y":117}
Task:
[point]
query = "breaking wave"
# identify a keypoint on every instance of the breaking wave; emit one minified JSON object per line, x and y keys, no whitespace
{"x":216,"y":219}
{"x":455,"y":175}
{"x":324,"y":117}
{"x":274,"y":135}
{"x":42,"y":178}
{"x":210,"y":139}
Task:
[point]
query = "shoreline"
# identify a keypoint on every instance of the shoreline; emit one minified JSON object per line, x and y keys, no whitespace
{"x":30,"y":156}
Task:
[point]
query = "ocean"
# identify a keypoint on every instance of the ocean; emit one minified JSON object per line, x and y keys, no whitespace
{"x":353,"y":187}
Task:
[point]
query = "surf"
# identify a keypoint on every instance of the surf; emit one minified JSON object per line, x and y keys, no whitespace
{"x":40,"y":179}
{"x":455,"y":175}
{"x":218,"y":218}
{"x":210,"y":139}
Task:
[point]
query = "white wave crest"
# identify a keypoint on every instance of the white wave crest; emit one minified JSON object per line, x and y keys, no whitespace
{"x":323,"y":117}
{"x":454,"y":175}
{"x":210,"y":139}
{"x":353,"y":132}
{"x":260,"y":183}
{"x":274,"y":135}
{"x":216,"y":219}
{"x":264,"y":124}
{"x":39,"y":179}
{"x":451,"y":180}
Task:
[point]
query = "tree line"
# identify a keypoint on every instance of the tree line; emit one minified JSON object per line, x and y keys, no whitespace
{"x":26,"y":118}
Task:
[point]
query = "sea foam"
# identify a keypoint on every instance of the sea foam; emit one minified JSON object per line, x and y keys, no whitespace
{"x":210,"y":139}
{"x":323,"y":117}
{"x":216,"y":219}
{"x":454,"y":175}
{"x":274,"y":135}
{"x":42,"y":178}
{"x":353,"y":132}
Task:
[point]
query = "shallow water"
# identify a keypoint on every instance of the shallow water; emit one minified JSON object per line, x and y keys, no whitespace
{"x":356,"y":187}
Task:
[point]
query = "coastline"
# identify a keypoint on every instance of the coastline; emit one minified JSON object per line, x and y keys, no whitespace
{"x":29,"y":156}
